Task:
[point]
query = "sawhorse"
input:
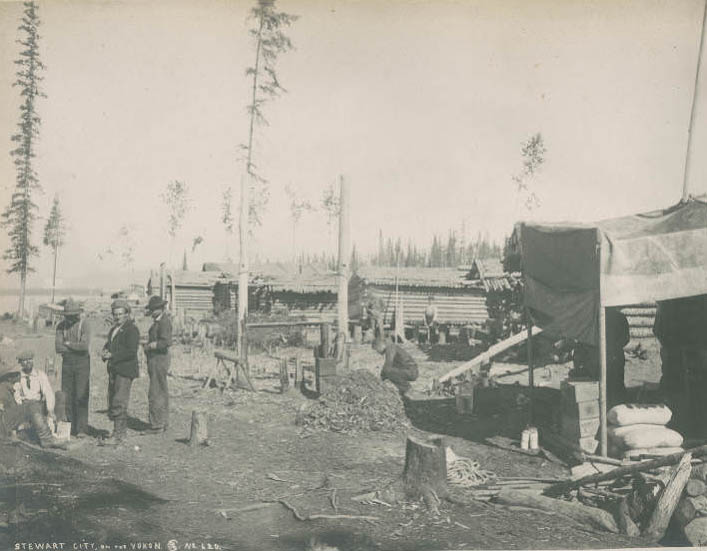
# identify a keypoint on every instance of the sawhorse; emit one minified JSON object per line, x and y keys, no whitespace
{"x":233,"y":366}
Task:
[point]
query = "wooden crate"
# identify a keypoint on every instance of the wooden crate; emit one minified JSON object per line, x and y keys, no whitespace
{"x":581,"y":410}
{"x":580,"y":391}
{"x":573,"y":428}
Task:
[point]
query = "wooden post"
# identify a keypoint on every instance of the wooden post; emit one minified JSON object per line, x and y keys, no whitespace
{"x":163,"y":283}
{"x":344,"y":258}
{"x":299,"y":373}
{"x":325,"y":340}
{"x":529,"y":348}
{"x":284,"y":377}
{"x":602,"y":354}
{"x":199,"y":435}
{"x":241,"y":339}
{"x":693,"y":109}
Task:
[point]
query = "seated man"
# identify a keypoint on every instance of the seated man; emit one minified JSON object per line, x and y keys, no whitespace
{"x":400,"y":367}
{"x":23,"y":399}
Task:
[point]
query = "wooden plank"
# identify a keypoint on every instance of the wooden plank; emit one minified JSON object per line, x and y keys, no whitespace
{"x":485,"y":357}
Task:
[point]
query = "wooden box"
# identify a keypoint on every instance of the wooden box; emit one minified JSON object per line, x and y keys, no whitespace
{"x":573,"y":428}
{"x":580,"y":391}
{"x":581,"y":410}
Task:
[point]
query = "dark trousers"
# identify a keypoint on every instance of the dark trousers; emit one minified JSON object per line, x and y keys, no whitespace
{"x":158,"y":394}
{"x":119,"y":391}
{"x":399,"y":377}
{"x":29,"y":411}
{"x":75,"y":383}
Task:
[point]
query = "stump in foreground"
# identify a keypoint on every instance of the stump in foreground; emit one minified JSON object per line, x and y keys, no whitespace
{"x":199,"y":435}
{"x":425,"y":473}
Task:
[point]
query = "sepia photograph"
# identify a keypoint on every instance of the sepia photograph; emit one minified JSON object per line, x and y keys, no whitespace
{"x":353,"y":275}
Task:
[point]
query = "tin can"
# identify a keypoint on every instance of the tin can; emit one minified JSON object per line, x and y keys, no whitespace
{"x":525,"y":439}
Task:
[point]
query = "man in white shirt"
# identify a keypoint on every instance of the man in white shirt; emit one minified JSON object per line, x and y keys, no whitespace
{"x":33,"y":395}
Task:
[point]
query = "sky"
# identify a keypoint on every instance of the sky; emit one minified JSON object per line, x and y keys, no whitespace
{"x":421,"y":106}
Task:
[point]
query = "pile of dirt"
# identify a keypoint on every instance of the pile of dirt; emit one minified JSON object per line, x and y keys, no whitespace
{"x":360,"y":401}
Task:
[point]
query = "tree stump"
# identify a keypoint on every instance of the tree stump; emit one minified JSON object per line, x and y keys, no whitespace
{"x":425,"y":473}
{"x":60,"y":405}
{"x":199,"y":435}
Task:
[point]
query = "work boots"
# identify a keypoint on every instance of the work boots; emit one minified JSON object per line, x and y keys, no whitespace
{"x":120,"y":431}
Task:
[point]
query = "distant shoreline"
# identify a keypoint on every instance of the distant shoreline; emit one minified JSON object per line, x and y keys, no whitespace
{"x":42,"y":291}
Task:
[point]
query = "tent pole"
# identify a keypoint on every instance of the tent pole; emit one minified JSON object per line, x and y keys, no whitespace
{"x":688,"y":157}
{"x":602,"y":356}
{"x":529,"y":344}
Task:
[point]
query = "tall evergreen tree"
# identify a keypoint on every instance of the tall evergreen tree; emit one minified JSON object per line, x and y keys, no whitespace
{"x":270,"y":41}
{"x":20,"y":214}
{"x":54,"y":232}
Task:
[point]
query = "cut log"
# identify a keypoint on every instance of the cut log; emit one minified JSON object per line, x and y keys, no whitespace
{"x":563,"y":487}
{"x":645,"y":493}
{"x":591,"y":516}
{"x":624,"y":520}
{"x":199,"y":435}
{"x":689,"y":508}
{"x":699,"y":472}
{"x":696,"y":532}
{"x":695,"y":487}
{"x":668,"y":499}
{"x":425,"y":473}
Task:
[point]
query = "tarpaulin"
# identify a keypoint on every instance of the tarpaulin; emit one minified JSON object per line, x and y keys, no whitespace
{"x":646,"y":257}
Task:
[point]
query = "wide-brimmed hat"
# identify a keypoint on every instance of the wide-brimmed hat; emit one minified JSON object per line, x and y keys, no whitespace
{"x":155,"y":303}
{"x":72,"y":307}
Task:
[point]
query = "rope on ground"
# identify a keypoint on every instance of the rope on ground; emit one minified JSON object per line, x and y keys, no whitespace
{"x":466,"y":472}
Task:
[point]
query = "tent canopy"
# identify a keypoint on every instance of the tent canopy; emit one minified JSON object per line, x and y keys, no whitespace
{"x":646,"y":257}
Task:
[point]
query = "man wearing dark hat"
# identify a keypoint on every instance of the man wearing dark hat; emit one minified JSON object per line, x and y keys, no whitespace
{"x":25,"y":397}
{"x":120,"y":355}
{"x":159,"y":341}
{"x":400,"y":368}
{"x":72,"y":342}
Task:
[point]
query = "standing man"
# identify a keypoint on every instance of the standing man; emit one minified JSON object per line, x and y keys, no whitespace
{"x":25,"y":398}
{"x":120,"y":355}
{"x":159,"y":341}
{"x":72,"y":342}
{"x":400,"y":368}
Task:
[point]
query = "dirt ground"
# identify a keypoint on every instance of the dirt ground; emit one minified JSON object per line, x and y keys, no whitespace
{"x":158,"y":491}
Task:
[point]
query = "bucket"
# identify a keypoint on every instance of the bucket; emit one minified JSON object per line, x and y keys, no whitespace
{"x":63,"y":430}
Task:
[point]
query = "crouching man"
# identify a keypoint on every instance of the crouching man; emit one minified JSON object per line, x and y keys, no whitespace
{"x":400,"y":367}
{"x":26,"y":397}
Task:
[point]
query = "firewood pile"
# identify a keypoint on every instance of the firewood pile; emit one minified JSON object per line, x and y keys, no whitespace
{"x":360,"y":401}
{"x":647,"y":498}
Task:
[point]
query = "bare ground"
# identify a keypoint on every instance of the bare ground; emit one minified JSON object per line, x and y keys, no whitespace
{"x":157,"y":488}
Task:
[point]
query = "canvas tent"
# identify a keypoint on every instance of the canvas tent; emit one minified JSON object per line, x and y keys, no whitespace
{"x":573,"y":272}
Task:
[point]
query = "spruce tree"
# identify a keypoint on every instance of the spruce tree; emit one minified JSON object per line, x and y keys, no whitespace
{"x":54,"y":232}
{"x":20,"y":214}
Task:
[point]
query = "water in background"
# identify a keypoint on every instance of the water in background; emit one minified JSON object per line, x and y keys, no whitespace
{"x":10,"y":301}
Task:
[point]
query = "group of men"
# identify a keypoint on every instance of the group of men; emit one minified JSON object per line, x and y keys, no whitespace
{"x":26,"y":396}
